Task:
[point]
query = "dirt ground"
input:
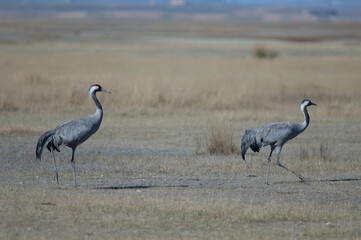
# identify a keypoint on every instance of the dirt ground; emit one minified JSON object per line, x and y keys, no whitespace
{"x":162,"y":189}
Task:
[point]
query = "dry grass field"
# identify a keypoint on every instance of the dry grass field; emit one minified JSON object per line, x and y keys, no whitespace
{"x":148,"y":172}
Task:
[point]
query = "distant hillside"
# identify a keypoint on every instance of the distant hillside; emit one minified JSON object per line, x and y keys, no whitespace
{"x":196,"y":10}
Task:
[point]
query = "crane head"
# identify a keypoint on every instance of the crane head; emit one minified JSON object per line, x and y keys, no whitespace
{"x":96,"y":88}
{"x":306,"y":103}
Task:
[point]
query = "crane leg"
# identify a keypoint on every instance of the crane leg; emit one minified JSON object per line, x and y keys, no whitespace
{"x":55,"y":167}
{"x":73,"y":165}
{"x":269,"y":164}
{"x":283,"y":166}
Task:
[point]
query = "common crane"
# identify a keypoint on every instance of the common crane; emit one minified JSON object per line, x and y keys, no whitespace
{"x":275,"y":135}
{"x":72,"y":133}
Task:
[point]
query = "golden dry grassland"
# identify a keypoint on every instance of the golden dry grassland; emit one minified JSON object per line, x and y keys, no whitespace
{"x":148,"y":172}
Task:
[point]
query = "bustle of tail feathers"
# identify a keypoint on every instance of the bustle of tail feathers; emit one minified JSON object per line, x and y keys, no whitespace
{"x":249,"y":140}
{"x":45,"y":141}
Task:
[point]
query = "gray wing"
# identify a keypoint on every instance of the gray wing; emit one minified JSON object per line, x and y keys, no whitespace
{"x":75,"y":132}
{"x":276,"y":133}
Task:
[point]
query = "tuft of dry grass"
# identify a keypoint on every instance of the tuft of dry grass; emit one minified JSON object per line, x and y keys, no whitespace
{"x":6,"y":106}
{"x":263,"y":52}
{"x":221,"y":141}
{"x":303,"y":153}
{"x":322,"y":152}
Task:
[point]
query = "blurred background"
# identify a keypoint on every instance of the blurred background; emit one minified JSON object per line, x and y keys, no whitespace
{"x":180,"y":53}
{"x":79,"y":20}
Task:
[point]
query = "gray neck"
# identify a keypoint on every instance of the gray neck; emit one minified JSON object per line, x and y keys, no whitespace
{"x":99,"y":111}
{"x":304,"y":125}
{"x":97,"y":103}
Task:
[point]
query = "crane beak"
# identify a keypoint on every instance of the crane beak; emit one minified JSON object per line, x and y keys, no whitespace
{"x":106,"y":91}
{"x":314,"y":104}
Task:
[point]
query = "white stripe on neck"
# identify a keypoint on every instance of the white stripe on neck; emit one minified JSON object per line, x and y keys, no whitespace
{"x":92,"y":89}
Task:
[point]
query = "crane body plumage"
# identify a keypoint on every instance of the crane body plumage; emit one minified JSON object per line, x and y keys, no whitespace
{"x":275,"y":135}
{"x":72,"y":133}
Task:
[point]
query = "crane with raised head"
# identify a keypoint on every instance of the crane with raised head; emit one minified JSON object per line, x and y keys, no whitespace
{"x":275,"y":135}
{"x":72,"y":133}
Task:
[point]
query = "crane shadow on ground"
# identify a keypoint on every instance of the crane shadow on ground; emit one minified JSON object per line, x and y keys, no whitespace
{"x":186,"y":185}
{"x":335,"y":180}
{"x":323,"y":180}
{"x":139,"y":187}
